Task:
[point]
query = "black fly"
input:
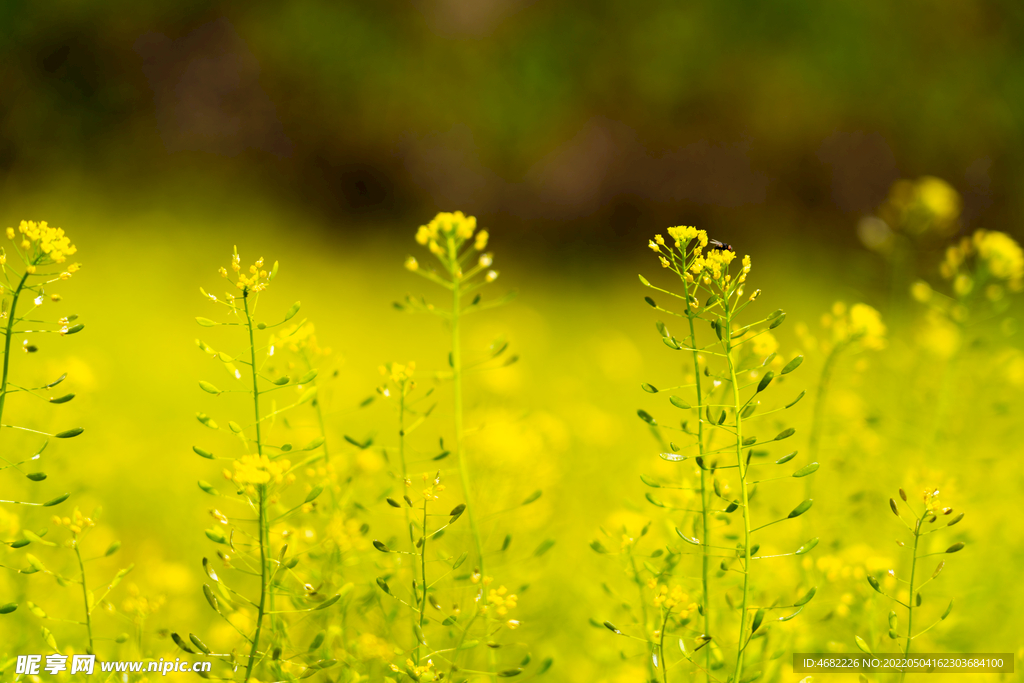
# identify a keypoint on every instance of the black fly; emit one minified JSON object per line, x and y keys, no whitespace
{"x":722,"y":246}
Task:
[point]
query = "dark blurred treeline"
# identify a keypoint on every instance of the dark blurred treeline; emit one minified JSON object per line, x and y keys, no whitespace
{"x":571,"y":121}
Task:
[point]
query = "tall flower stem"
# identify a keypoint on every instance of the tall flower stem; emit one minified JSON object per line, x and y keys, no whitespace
{"x":744,"y":498}
{"x":85,"y":596}
{"x":705,"y":491}
{"x":262,"y":497}
{"x":910,"y":601}
{"x":7,"y":341}
{"x":456,"y":362}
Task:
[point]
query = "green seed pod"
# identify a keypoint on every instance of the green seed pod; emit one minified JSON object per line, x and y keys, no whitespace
{"x":216,"y":536}
{"x":955,"y":548}
{"x":292,"y":311}
{"x":36,"y":476}
{"x":308,"y":377}
{"x":956,"y":519}
{"x":765,"y":381}
{"x":318,"y":640}
{"x":201,"y":453}
{"x":112,"y":548}
{"x":785,"y":434}
{"x":778,"y":321}
{"x":209,"y":388}
{"x":380,"y":546}
{"x":281,"y":381}
{"x":806,"y":598}
{"x":792,"y":365}
{"x":312,"y":495}
{"x":75,"y":329}
{"x":62,"y":399}
{"x":874,"y":583}
{"x":70,"y":433}
{"x":806,"y":470}
{"x":801,"y":508}
{"x":893,"y":634}
{"x":611,"y":627}
{"x":206,"y":322}
{"x":180,"y":642}
{"x":796,"y":400}
{"x":8,"y":608}
{"x":895,"y":508}
{"x":646,"y":417}
{"x":807,"y":547}
{"x":862,"y":644}
{"x":892,"y":619}
{"x":903,"y":495}
{"x":56,"y":501}
{"x":649,"y":388}
{"x":383,"y":585}
{"x":948,"y":610}
{"x":650,"y":302}
{"x":758,"y":618}
{"x":786,"y":458}
{"x":393,"y":503}
{"x":198,"y":643}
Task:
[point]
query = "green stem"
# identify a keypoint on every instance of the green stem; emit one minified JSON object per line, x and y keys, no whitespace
{"x":661,"y":648}
{"x":262,"y":489}
{"x":705,"y":490}
{"x":911,"y":601}
{"x":85,"y":597}
{"x":745,"y":501}
{"x":7,"y":341}
{"x":423,"y":577}
{"x":408,"y":517}
{"x":643,"y":610}
{"x":456,"y":361}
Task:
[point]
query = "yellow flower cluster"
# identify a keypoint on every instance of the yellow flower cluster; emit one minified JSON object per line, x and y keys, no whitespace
{"x":683,"y":234}
{"x":398,"y":373}
{"x":669,"y":598}
{"x":997,"y":257}
{"x":433,"y":492}
{"x":258,"y":469}
{"x":860,"y":323}
{"x":922,"y":206}
{"x":455,"y":226}
{"x":369,"y":646}
{"x":501,"y":600}
{"x":715,"y":262}
{"x":43,"y":244}
{"x":76,"y":523}
{"x":257,"y":278}
{"x":138,"y":606}
{"x":426,"y":672}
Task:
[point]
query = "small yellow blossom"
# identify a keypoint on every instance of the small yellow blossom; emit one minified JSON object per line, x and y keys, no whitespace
{"x":45,"y":245}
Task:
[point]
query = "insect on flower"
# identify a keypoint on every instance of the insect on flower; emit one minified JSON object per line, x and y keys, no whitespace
{"x":722,"y":246}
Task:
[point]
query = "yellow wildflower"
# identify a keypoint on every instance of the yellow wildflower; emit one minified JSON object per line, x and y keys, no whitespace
{"x":45,"y":245}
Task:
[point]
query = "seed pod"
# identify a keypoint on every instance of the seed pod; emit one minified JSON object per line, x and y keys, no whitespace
{"x":806,"y":598}
{"x":765,"y":381}
{"x":801,"y":508}
{"x":758,"y":618}
{"x":874,"y":583}
{"x":806,"y":470}
{"x":895,"y":509}
{"x":792,"y":365}
{"x":679,"y":403}
{"x":903,"y":495}
{"x":380,"y":546}
{"x":955,"y":548}
{"x":649,"y":388}
{"x":69,"y":433}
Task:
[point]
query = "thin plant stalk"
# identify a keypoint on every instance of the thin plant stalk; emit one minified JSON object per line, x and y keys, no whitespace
{"x":85,"y":596}
{"x":456,"y":362}
{"x":262,"y":501}
{"x":643,"y":608}
{"x":744,"y":500}
{"x":7,"y":341}
{"x":910,"y":601}
{"x":705,"y":492}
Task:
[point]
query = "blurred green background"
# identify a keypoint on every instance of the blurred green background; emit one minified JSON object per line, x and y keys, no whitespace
{"x":321,"y":134}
